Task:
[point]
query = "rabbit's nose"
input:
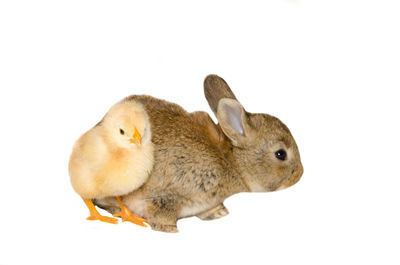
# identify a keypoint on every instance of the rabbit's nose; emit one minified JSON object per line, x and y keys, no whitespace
{"x":298,"y":172}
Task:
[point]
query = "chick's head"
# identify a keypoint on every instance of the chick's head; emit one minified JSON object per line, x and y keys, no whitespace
{"x":126,"y":125}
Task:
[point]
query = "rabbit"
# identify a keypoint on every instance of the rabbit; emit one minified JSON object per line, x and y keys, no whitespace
{"x":198,"y":164}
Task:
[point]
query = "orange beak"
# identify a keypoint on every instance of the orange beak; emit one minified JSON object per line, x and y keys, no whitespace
{"x":136,"y":138}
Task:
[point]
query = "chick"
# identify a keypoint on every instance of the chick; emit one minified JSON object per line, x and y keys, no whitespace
{"x":113,"y":158}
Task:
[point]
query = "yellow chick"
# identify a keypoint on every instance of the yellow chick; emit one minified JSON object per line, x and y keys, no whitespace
{"x":113,"y":158}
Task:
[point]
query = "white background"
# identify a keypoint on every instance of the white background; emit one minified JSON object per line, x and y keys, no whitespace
{"x":328,"y":69}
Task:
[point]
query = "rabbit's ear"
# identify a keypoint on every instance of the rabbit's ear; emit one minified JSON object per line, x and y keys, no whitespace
{"x":215,"y":89}
{"x":232,"y":119}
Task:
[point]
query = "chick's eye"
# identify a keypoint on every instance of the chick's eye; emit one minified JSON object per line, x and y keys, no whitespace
{"x":280,"y":154}
{"x":121,"y":132}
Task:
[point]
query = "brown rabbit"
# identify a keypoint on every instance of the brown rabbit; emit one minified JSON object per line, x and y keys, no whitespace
{"x":198,"y":164}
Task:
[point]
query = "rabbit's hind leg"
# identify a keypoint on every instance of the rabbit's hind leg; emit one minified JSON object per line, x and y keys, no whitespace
{"x":163,"y":213}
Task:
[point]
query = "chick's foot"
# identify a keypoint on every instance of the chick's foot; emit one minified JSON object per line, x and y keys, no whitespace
{"x":102,"y":218}
{"x":127,"y":215}
{"x":95,"y":215}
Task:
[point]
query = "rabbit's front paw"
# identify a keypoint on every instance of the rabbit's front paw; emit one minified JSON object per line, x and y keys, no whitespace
{"x":214,"y":213}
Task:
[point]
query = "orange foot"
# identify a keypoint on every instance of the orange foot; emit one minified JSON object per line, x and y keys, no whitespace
{"x":126,"y":215}
{"x":103,"y":218}
{"x":95,"y":215}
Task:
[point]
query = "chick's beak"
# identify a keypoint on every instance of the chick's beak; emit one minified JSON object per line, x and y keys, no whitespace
{"x":136,"y":138}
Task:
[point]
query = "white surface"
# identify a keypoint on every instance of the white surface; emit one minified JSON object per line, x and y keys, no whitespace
{"x":328,"y":69}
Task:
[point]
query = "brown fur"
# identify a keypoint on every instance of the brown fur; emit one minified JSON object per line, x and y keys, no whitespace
{"x":197,"y":166}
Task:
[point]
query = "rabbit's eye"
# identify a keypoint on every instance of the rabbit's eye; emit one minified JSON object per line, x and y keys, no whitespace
{"x":280,"y":154}
{"x":121,"y":132}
